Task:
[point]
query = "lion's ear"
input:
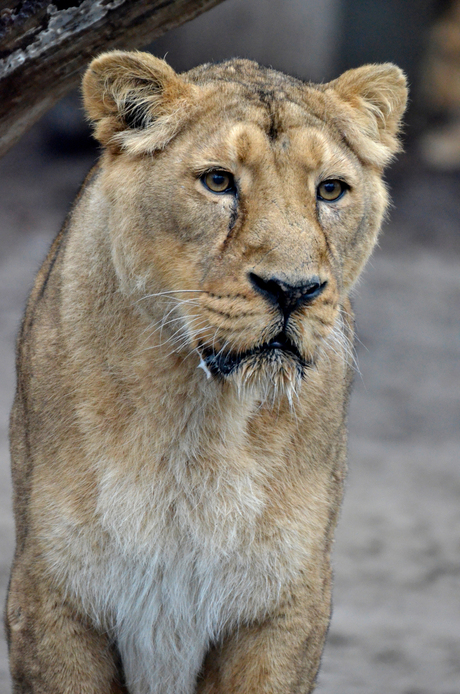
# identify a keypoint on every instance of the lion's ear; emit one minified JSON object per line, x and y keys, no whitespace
{"x":373,"y":99}
{"x":126,"y":93}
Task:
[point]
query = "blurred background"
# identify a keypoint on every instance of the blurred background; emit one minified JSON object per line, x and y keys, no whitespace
{"x":396,"y":622}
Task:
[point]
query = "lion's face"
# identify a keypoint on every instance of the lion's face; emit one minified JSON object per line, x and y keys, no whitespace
{"x":241,"y":232}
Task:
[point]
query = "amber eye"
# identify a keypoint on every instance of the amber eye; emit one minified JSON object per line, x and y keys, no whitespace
{"x":331,"y":190}
{"x":219,"y":181}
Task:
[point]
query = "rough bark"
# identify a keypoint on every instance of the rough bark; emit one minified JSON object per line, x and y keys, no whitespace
{"x":44,"y":47}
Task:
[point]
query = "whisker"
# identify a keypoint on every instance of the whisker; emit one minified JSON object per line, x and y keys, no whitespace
{"x":179,"y":303}
{"x":345,"y":348}
{"x":160,"y":327}
{"x":168,"y":293}
{"x":170,"y":339}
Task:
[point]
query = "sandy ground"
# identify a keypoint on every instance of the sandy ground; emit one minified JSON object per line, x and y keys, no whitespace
{"x":396,"y":621}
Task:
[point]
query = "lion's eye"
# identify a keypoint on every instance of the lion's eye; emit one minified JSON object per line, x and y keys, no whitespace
{"x":331,"y":190}
{"x":218,"y":181}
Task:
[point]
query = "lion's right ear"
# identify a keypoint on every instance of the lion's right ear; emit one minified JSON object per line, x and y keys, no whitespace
{"x":136,"y":101}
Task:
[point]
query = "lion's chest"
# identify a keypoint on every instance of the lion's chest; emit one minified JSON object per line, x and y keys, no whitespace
{"x":181,"y":564}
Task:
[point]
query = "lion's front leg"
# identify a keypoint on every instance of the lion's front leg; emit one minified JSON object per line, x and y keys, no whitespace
{"x":52,"y":651}
{"x":279,"y":656}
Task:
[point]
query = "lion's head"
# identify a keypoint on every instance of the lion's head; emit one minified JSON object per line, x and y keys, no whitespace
{"x":242,"y":203}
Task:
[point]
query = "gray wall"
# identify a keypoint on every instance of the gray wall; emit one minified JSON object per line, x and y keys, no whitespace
{"x":296,"y":36}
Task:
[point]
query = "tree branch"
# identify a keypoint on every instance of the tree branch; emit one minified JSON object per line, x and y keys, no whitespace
{"x":44,"y":47}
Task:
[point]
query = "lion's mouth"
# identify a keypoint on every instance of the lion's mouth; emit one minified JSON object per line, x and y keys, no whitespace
{"x":280,"y":349}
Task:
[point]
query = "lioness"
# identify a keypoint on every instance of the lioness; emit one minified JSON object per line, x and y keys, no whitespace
{"x":178,"y":434}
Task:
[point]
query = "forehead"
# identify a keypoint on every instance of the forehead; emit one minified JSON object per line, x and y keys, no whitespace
{"x":247,"y":109}
{"x":254,"y":127}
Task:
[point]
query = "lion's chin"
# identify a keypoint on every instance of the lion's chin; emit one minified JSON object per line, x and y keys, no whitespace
{"x":271,"y":370}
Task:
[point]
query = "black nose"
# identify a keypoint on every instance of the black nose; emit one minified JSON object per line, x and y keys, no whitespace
{"x":287,"y":296}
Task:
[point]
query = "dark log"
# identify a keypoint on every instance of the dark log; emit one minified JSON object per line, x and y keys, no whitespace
{"x":44,"y":47}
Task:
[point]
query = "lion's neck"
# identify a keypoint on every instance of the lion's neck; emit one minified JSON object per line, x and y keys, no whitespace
{"x":201,"y":416}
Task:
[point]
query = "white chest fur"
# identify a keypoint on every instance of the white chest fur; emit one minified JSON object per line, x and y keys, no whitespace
{"x":183,"y":545}
{"x":184,"y":551}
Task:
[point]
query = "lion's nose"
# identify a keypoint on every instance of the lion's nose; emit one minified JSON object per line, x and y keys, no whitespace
{"x":288,"y":296}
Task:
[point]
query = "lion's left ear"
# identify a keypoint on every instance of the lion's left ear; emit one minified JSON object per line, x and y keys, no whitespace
{"x":125,"y":93}
{"x":372,"y":100}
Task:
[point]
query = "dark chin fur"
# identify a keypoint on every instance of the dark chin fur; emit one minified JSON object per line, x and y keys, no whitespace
{"x":270,"y":369}
{"x":224,"y":365}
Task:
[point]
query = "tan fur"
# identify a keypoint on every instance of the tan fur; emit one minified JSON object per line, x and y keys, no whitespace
{"x":174,"y":522}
